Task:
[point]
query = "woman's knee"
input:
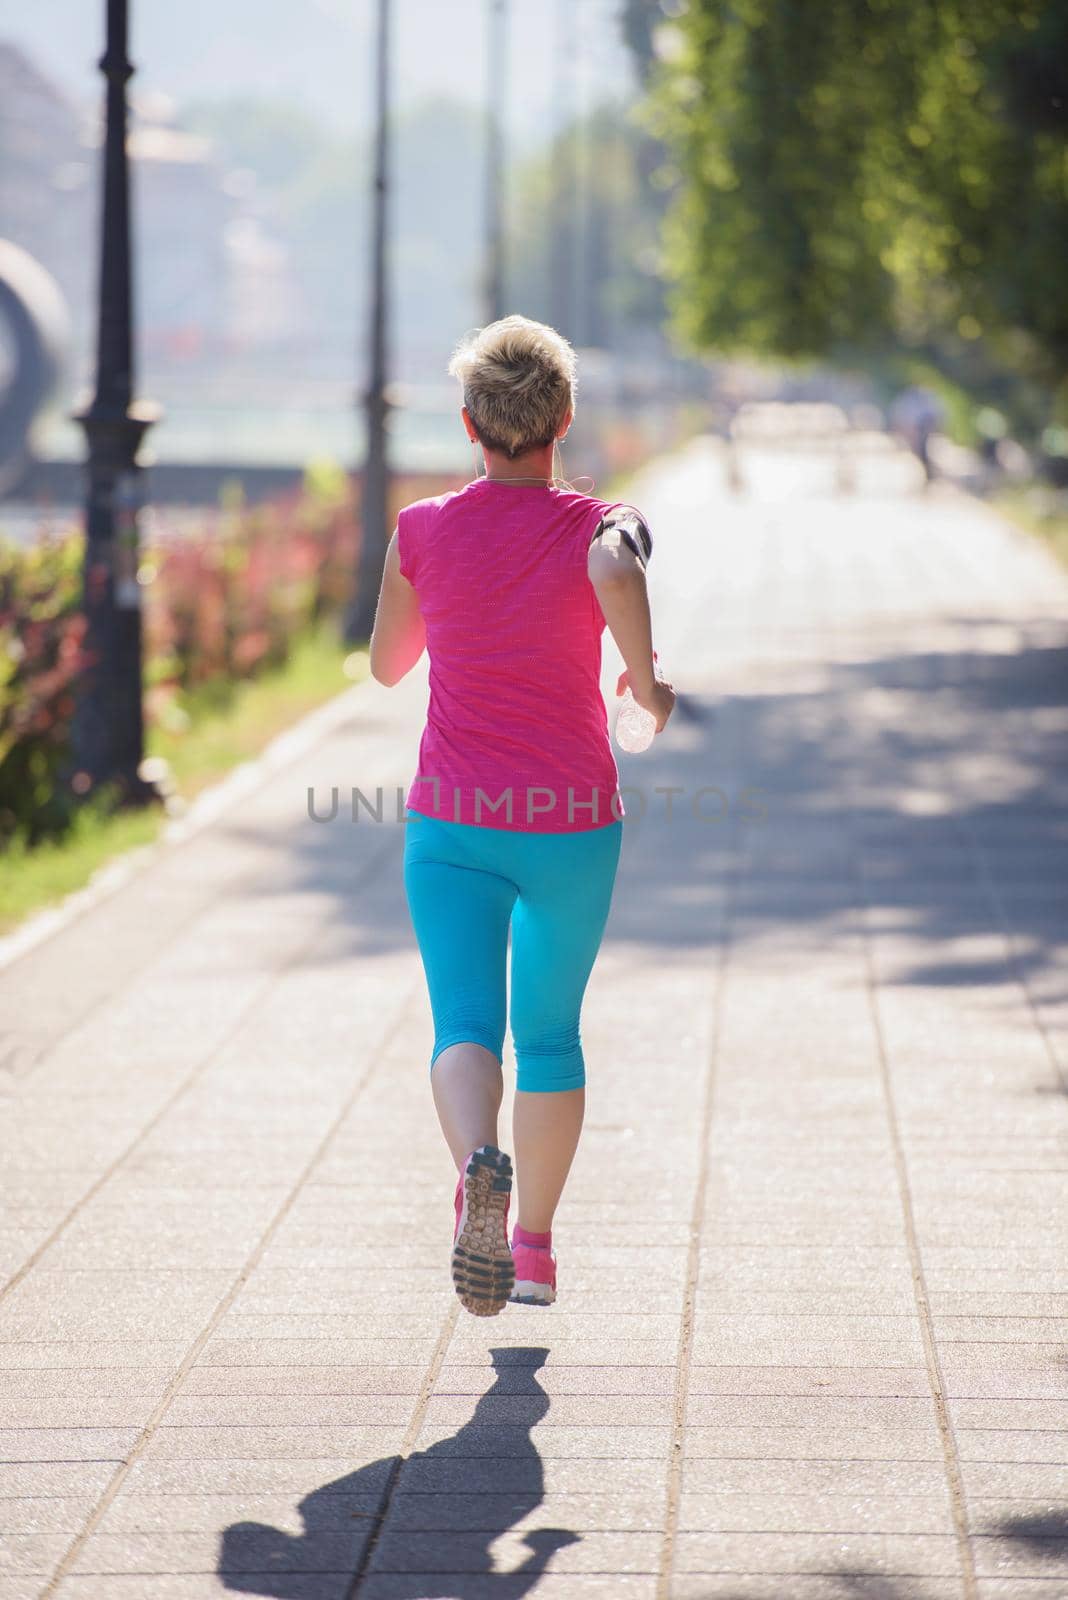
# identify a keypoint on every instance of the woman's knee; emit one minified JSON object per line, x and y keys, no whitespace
{"x":548,"y":1059}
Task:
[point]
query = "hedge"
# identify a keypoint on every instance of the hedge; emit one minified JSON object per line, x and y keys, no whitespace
{"x":222,"y":601}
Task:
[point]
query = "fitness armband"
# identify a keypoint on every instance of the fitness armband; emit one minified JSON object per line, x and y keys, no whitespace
{"x":632,"y":529}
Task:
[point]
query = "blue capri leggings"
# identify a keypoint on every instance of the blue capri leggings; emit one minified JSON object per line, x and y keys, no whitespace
{"x":465,"y":886}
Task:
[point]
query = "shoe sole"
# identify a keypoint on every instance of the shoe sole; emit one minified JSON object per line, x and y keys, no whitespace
{"x":529,"y":1293}
{"x":483,"y":1272}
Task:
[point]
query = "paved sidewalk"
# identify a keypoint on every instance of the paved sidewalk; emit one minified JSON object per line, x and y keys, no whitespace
{"x":810,"y":1341}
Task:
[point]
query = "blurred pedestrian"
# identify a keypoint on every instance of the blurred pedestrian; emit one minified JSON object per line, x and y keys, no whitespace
{"x":916,"y":414}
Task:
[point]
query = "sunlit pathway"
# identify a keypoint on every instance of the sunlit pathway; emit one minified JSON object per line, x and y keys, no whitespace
{"x":810,"y":1340}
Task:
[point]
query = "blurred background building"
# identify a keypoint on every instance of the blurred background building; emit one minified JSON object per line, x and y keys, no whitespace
{"x":250,"y":149}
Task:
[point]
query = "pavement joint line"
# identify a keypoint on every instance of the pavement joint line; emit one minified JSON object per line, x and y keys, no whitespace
{"x":693,"y":1264}
{"x":189,"y":1360}
{"x":950,"y":1454}
{"x":411,"y":1435}
{"x":285,"y":748}
{"x":372,"y":866}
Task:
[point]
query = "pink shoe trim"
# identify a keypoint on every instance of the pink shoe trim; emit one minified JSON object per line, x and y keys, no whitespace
{"x":535,"y":1274}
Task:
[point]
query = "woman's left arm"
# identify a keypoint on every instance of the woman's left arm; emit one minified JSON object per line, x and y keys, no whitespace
{"x":398,"y":637}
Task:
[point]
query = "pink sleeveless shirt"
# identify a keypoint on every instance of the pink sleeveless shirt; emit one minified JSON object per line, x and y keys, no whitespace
{"x":516,"y":732}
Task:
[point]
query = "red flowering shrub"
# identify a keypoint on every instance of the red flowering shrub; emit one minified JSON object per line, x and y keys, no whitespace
{"x":220,"y":603}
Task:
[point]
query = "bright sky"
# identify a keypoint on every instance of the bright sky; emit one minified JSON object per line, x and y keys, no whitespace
{"x":318,"y":52}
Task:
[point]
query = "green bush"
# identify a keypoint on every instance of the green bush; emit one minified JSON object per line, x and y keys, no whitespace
{"x":221,"y":603}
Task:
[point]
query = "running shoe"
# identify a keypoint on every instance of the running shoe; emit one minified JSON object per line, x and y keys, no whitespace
{"x":482,"y":1267}
{"x":535,"y":1275}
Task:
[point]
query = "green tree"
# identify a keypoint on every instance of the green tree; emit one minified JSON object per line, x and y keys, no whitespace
{"x":867,"y":174}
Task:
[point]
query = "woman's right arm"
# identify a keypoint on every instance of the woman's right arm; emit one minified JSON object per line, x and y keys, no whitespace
{"x":618,"y":578}
{"x":398,"y":637}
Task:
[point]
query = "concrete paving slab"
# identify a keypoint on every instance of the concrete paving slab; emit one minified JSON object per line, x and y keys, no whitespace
{"x":270,"y":1382}
{"x":564,"y":1411}
{"x":91,"y":1383}
{"x":36,"y":1553}
{"x":64,"y":1355}
{"x":835,"y":1585}
{"x":1022,"y":1554}
{"x":460,"y":1552}
{"x":65,"y":1444}
{"x":261,"y":1441}
{"x":498,"y":1586}
{"x":749,"y":1512}
{"x":590,"y":1443}
{"x":887,"y":1413}
{"x":58,"y":1479}
{"x":1023,"y":1480}
{"x":110,"y":1411}
{"x":1009,"y":1445}
{"x":489,"y":1512}
{"x":1020,"y":1587}
{"x":295,"y":1477}
{"x":19,"y":1588}
{"x":338,"y":1516}
{"x":998,"y":1518}
{"x":332,"y":1327}
{"x":891,"y":1554}
{"x":755,"y":1382}
{"x":903,"y":1443}
{"x":196,"y":1586}
{"x":334,"y":1552}
{"x":769,"y":1299}
{"x":626,"y":1476}
{"x":47,"y":1513}
{"x":732,"y":1350}
{"x":237,"y":1353}
{"x":283,"y":1410}
{"x":560,"y":1381}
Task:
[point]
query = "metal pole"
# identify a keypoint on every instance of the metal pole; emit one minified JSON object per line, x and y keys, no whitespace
{"x":374,"y":509}
{"x":563,"y":183}
{"x":581,"y":191}
{"x":108,"y":729}
{"x":496,"y":58}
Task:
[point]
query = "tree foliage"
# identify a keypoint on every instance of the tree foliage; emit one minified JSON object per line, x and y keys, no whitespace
{"x":861,"y":173}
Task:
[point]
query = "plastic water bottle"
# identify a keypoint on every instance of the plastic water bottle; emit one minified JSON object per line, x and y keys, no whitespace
{"x":636,"y":727}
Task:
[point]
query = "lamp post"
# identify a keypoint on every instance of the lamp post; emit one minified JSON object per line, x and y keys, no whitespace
{"x":496,"y":99}
{"x":108,"y":730}
{"x":374,"y":500}
{"x":562,"y":190}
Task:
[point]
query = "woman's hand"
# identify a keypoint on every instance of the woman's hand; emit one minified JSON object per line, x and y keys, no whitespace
{"x":658,"y":700}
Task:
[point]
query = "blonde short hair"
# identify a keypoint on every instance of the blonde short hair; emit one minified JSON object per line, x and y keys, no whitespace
{"x":518,"y":378}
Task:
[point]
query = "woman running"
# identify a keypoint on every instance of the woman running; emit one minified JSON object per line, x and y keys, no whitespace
{"x":513,"y":820}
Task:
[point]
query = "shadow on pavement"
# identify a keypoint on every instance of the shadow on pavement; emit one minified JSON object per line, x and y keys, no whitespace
{"x":418,"y":1518}
{"x":941,"y":776}
{"x":1044,"y":1536}
{"x":833,"y":1586}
